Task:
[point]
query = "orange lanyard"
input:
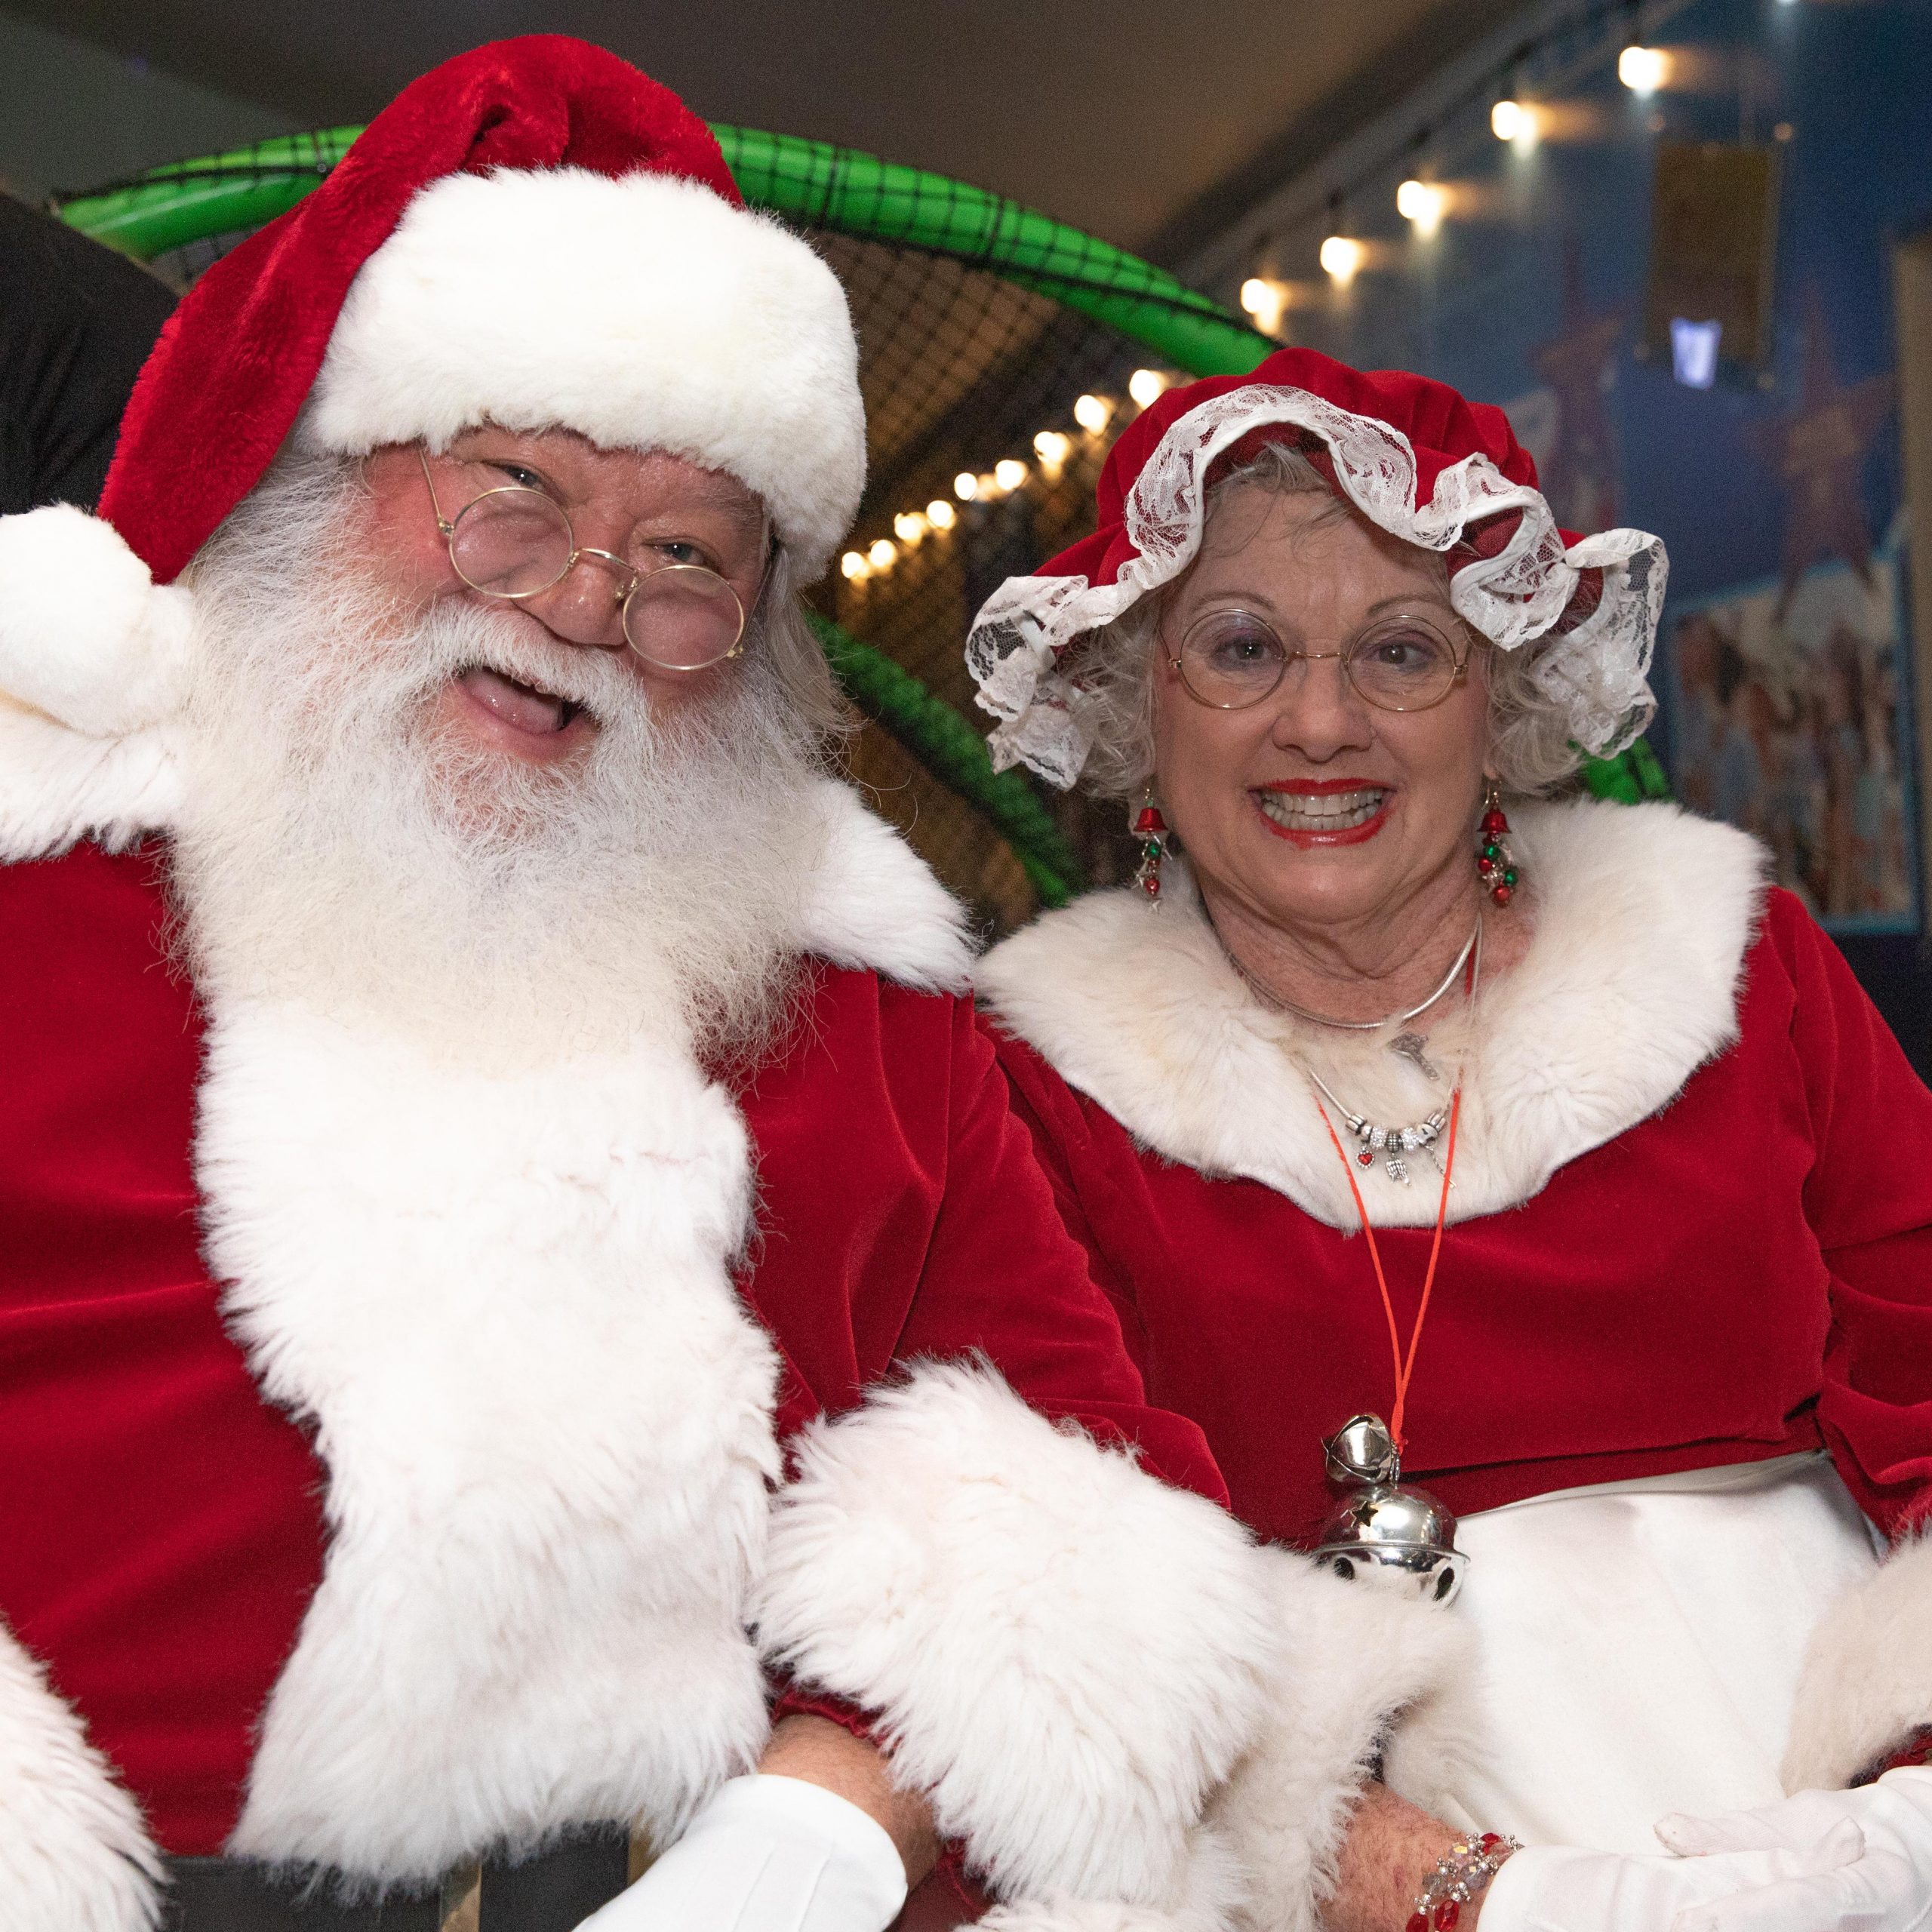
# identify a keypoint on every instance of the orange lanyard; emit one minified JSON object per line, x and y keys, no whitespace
{"x":1405,"y":1367}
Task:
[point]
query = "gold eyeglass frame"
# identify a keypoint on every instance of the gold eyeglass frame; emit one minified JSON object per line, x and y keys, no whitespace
{"x":1459,"y":675}
{"x":621,"y":592}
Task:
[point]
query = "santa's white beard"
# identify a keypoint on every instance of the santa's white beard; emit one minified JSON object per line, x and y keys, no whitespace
{"x":341,"y":851}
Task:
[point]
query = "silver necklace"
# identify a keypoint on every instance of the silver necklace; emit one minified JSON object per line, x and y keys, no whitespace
{"x":1288,"y":1006}
{"x":1394,"y":1143}
{"x":1391,"y":1143}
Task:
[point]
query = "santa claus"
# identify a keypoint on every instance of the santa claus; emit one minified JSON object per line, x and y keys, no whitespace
{"x":517,"y":1255}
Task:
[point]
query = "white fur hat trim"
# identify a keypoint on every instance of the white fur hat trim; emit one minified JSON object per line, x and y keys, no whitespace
{"x":645,"y":311}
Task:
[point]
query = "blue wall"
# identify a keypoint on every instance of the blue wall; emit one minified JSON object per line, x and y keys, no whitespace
{"x":1565,"y":223}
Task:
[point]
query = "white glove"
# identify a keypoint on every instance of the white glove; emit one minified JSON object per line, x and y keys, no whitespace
{"x":767,"y":1854}
{"x":1561,"y":1888}
{"x":1885,"y":1887}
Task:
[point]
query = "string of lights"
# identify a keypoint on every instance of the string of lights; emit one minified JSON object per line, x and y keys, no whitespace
{"x":1093,"y":416}
{"x":1517,"y":114}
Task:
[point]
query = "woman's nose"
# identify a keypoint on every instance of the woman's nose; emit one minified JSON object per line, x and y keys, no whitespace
{"x":1317,"y":711}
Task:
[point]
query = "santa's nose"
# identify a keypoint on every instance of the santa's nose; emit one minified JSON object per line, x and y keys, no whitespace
{"x":585,"y":605}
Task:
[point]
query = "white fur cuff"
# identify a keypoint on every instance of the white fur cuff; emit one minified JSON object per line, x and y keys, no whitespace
{"x":1064,"y":1651}
{"x":1208,"y":1899}
{"x":73,"y":1855}
{"x":1359,"y":1659}
{"x":1867,"y":1680}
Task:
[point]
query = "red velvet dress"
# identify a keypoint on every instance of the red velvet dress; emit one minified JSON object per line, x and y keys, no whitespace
{"x":1744,"y":1272}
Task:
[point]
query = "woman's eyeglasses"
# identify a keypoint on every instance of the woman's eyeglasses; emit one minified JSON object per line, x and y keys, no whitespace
{"x":1231,"y":659}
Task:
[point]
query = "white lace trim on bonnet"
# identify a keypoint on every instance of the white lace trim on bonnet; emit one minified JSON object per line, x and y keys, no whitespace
{"x":1596,"y":672}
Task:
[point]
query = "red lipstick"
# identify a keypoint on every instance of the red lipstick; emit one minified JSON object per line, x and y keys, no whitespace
{"x":1311,"y":838}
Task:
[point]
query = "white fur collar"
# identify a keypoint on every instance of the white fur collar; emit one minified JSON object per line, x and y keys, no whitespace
{"x":875,"y":904}
{"x":1643,"y":914}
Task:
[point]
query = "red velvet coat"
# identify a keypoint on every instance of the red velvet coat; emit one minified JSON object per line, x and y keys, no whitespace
{"x":162,"y":1524}
{"x":1740,"y":1268}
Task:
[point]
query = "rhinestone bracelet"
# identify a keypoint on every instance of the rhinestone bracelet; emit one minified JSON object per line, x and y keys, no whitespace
{"x":1460,"y":1873}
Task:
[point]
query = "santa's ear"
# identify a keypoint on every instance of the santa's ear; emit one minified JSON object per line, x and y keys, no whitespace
{"x":86,"y":635}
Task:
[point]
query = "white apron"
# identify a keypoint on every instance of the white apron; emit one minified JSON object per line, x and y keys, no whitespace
{"x":1641,"y":1642}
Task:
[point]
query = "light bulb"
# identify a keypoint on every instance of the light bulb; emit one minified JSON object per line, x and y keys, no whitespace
{"x":1643,"y":70}
{"x":940,"y":514}
{"x":1052,"y":447}
{"x":965,"y":486}
{"x":1265,"y":301}
{"x":1091,"y":413}
{"x":1506,"y":119}
{"x":1009,"y":472}
{"x":883,"y":554}
{"x":1422,"y":203}
{"x":855,"y":567}
{"x":910,"y":526}
{"x":1341,"y":256}
{"x":1145,"y":385}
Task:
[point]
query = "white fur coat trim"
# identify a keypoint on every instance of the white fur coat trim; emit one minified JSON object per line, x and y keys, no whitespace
{"x":506,"y":1302}
{"x":1866,"y":1682}
{"x":1067,"y":1653}
{"x":644,"y":311}
{"x":74,"y":1854}
{"x":1643,"y":914}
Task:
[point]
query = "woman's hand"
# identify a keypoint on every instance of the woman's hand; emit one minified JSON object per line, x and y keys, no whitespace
{"x":1563,"y":1888}
{"x":767,"y":1854}
{"x":1885,"y":1885}
{"x":1392,"y":1847}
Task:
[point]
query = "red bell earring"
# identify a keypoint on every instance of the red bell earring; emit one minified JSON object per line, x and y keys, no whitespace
{"x":1151,"y":828}
{"x":1494,"y":865}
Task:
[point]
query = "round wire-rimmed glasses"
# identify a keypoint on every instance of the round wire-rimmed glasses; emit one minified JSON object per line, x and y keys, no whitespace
{"x":515,"y":542}
{"x":1231,"y":659}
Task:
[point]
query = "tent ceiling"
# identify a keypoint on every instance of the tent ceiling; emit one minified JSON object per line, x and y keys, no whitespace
{"x":1136,"y":122}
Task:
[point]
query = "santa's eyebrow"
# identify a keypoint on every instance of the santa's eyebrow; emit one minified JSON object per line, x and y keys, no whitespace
{"x":721,"y":494}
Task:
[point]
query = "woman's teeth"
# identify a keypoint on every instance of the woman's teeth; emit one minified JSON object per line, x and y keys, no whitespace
{"x":1327,"y":811}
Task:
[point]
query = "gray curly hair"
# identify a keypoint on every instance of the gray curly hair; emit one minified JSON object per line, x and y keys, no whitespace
{"x":1530,"y":746}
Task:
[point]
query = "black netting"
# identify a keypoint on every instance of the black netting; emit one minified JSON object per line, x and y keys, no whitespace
{"x":961,"y":370}
{"x":178,"y":267}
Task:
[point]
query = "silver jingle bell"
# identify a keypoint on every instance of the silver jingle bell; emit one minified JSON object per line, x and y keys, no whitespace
{"x":1381,"y":1522}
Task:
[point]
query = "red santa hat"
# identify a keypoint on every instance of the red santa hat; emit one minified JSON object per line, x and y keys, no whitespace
{"x":534,"y":234}
{"x":1415,"y":458}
